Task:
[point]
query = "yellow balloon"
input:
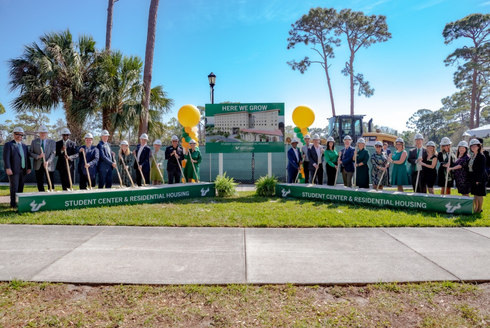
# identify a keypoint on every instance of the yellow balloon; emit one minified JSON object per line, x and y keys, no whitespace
{"x":193,"y":135}
{"x":304,"y":131}
{"x":188,"y":129}
{"x":188,"y":115}
{"x":303,"y":116}
{"x":195,"y":129}
{"x":185,"y":144}
{"x":183,"y":140}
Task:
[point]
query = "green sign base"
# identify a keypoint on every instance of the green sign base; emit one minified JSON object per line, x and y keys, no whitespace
{"x":382,"y":198}
{"x":45,"y":201}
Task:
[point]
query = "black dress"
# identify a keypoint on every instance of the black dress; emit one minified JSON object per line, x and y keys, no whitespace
{"x":429,"y":174}
{"x":443,"y":158}
{"x":478,"y":174}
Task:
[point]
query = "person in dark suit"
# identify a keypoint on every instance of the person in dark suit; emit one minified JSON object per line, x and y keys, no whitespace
{"x":91,"y":158}
{"x":17,"y":163}
{"x":174,"y":155}
{"x":306,"y":160}
{"x":294,"y":161}
{"x":43,"y":150}
{"x":105,"y":164}
{"x":315,"y":154}
{"x":478,"y":175}
{"x":346,"y":159}
{"x":415,"y":157}
{"x":66,"y":149}
{"x":142,"y":160}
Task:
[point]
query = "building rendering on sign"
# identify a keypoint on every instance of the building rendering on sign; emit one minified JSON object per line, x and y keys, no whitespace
{"x":250,"y":126}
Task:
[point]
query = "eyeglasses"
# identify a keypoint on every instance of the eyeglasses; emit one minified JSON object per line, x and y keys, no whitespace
{"x":174,"y":140}
{"x":377,"y":146}
{"x":18,"y":134}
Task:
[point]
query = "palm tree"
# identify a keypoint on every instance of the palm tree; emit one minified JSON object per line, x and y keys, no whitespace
{"x":2,"y":109}
{"x":108,"y":32}
{"x":57,"y":72}
{"x":150,"y":47}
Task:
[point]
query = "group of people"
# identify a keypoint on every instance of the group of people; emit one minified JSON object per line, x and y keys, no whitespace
{"x":95,"y":163}
{"x":466,"y":168}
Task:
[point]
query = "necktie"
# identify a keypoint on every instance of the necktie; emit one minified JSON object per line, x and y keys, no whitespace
{"x":42,"y":145}
{"x":21,"y":151}
{"x":418,"y":153}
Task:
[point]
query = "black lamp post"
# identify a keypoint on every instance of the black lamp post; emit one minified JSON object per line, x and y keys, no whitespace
{"x":212,"y":82}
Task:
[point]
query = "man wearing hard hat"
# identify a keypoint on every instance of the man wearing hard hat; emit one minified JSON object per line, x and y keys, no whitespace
{"x":105,"y":164}
{"x":142,"y":160}
{"x":43,"y":150}
{"x":415,"y":157}
{"x":174,"y":155}
{"x":66,"y":149}
{"x":17,"y":163}
{"x":294,"y":161}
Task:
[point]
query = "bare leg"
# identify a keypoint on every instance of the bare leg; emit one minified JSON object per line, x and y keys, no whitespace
{"x":431,"y":190}
{"x":400,"y":188}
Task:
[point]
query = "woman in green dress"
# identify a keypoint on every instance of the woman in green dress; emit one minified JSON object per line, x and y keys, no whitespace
{"x":125,"y":160}
{"x":158,"y":157}
{"x":331,"y":158}
{"x":380,"y":167}
{"x":399,"y":176}
{"x":362,"y":169}
{"x":193,"y":158}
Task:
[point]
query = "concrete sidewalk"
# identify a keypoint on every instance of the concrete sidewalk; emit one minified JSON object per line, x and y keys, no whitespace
{"x":164,"y":255}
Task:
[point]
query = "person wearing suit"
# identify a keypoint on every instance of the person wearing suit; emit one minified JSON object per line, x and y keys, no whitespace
{"x":88,"y":163}
{"x":105,"y":164}
{"x":346,"y":159}
{"x":387,"y":153}
{"x":142,"y":160}
{"x":66,"y":149}
{"x":478,"y":175}
{"x":17,"y":163}
{"x":43,"y":150}
{"x":174,"y":155}
{"x":415,"y":157}
{"x":315,"y":154}
{"x":294,"y":161}
{"x":306,"y":160}
{"x":362,"y":169}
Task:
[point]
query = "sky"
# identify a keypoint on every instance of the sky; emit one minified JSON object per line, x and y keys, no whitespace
{"x":244,"y":42}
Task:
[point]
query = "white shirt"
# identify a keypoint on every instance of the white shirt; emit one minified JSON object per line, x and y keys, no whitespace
{"x":318,"y":153}
{"x":139,"y":152}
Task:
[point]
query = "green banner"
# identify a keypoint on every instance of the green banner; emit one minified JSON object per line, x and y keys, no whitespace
{"x":44,"y":201}
{"x":242,"y":127}
{"x":393,"y":199}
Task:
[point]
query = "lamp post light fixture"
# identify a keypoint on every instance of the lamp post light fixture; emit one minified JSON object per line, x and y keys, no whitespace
{"x":212,"y":82}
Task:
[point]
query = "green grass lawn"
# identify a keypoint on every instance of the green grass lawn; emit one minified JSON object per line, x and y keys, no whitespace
{"x":245,"y":210}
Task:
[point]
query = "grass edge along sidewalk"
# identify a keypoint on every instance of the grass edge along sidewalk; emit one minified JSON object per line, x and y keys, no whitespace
{"x":382,"y":198}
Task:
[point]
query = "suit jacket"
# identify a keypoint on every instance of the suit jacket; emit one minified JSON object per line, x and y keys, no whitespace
{"x":312,"y":155}
{"x":71,"y":152}
{"x":412,"y":157}
{"x":105,"y":157}
{"x":171,"y":160}
{"x":12,"y":159}
{"x":348,"y":159}
{"x":49,"y":151}
{"x":144,"y":160}
{"x":92,"y":156}
{"x":293,"y":162}
{"x":479,"y":173}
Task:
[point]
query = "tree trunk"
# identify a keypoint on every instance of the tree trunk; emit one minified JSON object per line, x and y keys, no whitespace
{"x":108,"y":33}
{"x":150,"y":48}
{"x":330,"y":90}
{"x":351,"y":74}
{"x":473,"y":100}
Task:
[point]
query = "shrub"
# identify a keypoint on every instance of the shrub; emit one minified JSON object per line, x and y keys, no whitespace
{"x":225,"y":186}
{"x":266,"y":186}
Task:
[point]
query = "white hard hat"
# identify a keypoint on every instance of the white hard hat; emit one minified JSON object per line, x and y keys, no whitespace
{"x":124,"y":142}
{"x":307,"y":136}
{"x":18,"y":129}
{"x":174,"y":137}
{"x":104,"y":133}
{"x":431,"y":144}
{"x":88,"y":136}
{"x":330,"y":139}
{"x":463,"y":144}
{"x":295,"y":140}
{"x":361,"y":140}
{"x":157,"y":142}
{"x":144,"y":136}
{"x":445,"y":141}
{"x":400,"y":140}
{"x":42,"y":128}
{"x":378,"y":143}
{"x":65,"y":131}
{"x":474,"y":142}
{"x":347,"y":137}
{"x":419,"y":136}
{"x":316,"y":137}
{"x":194,"y":141}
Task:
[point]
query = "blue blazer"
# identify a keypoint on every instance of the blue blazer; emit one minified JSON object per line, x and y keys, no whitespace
{"x":92,"y":155}
{"x":12,"y":159}
{"x":144,"y":158}
{"x":348,"y":159}
{"x":105,"y":157}
{"x":293,"y":163}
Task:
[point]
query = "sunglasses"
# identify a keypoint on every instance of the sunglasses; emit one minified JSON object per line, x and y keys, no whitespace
{"x":378,"y":146}
{"x":18,"y":134}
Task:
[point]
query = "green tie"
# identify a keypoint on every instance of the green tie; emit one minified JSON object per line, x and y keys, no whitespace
{"x":21,"y":151}
{"x":42,"y":145}
{"x":416,"y":165}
